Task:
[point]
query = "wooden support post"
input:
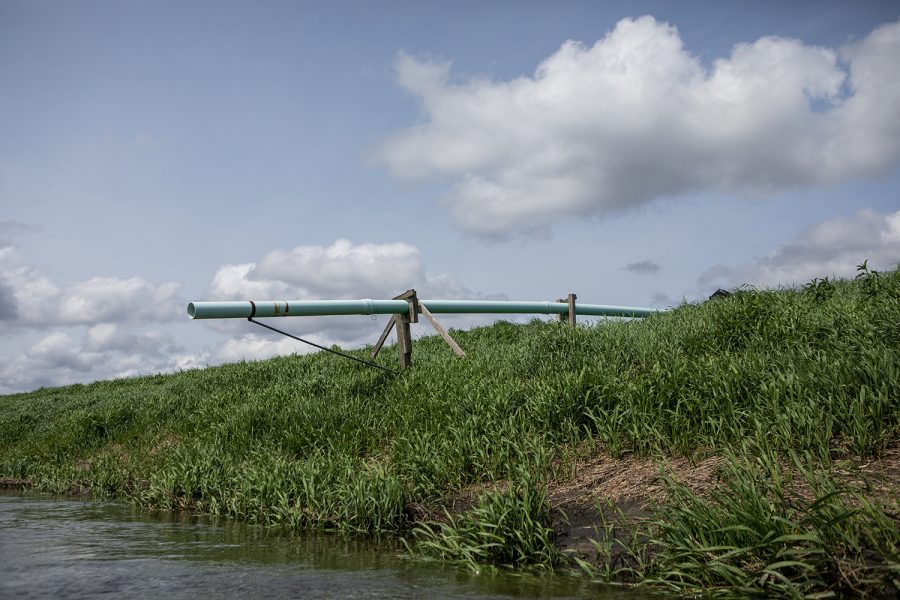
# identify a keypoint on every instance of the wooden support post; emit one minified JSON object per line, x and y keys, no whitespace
{"x":559,"y":317}
{"x":450,"y":341}
{"x":404,"y":339}
{"x":383,"y":338}
{"x":411,"y":297}
{"x":571,"y":301}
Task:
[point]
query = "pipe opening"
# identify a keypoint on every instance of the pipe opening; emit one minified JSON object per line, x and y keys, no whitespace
{"x":191,"y":310}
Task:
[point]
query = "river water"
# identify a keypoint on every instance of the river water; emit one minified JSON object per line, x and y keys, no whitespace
{"x":54,"y":547}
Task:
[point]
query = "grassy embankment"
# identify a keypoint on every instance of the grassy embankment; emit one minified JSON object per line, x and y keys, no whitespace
{"x":792,"y":396}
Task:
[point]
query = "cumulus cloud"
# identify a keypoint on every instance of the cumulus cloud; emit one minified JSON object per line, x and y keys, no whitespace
{"x":8,"y":307}
{"x":104,"y":327}
{"x":642,"y":267}
{"x":344,"y":268}
{"x":104,"y":351}
{"x":58,"y":350}
{"x":341,"y":270}
{"x":109,"y":337}
{"x":336,"y":271}
{"x":605,"y":128}
{"x":109,"y":299}
{"x":251,"y":346}
{"x":31,"y":292}
{"x":832,"y":248}
{"x":82,"y":322}
{"x":28,"y":298}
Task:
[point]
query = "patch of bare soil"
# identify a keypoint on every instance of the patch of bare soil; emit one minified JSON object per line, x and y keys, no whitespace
{"x":6,"y":482}
{"x":625,"y":491}
{"x":453,"y":504}
{"x":883,"y":474}
{"x":605,"y":489}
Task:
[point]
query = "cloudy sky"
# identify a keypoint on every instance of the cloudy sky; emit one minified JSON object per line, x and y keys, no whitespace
{"x":636,"y":153}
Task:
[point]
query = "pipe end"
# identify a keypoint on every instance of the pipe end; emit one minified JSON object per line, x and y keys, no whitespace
{"x":191,"y":311}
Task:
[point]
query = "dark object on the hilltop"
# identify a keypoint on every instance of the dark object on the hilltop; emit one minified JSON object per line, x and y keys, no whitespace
{"x":720,"y":293}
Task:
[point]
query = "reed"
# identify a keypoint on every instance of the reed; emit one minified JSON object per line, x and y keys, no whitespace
{"x":775,"y":529}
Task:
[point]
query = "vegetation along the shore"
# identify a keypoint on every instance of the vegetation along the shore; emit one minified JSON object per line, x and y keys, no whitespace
{"x":748,"y":444}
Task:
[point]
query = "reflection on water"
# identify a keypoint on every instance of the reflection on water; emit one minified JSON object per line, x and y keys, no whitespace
{"x":65,"y":548}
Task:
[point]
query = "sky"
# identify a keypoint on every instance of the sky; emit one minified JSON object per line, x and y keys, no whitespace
{"x":635,"y":153}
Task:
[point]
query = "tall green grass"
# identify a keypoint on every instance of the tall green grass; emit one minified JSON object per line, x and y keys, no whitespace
{"x":773,"y":528}
{"x":321,"y":442}
{"x":508,"y":527}
{"x":775,"y":531}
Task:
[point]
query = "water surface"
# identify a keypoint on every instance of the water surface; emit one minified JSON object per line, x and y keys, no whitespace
{"x":69,"y":548}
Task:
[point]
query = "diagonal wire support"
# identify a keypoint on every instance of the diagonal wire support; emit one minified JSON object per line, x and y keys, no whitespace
{"x":299,"y":339}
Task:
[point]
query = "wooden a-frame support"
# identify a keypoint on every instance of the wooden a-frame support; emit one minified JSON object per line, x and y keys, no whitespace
{"x":404,"y":338}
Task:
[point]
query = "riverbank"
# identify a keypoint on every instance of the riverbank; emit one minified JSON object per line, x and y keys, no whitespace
{"x":747,"y":444}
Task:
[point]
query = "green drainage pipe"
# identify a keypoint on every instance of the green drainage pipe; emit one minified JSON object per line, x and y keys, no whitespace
{"x":308,"y":308}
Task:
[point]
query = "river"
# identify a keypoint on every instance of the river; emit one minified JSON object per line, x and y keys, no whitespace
{"x":53,"y":547}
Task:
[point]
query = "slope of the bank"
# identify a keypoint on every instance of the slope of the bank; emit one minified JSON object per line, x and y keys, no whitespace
{"x":782,"y":389}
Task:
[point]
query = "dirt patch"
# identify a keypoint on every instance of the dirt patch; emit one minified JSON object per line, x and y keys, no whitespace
{"x":625,"y":491}
{"x":883,"y":474}
{"x":603,"y":489}
{"x":631,"y":479}
{"x":168,"y":441}
{"x":606,"y":489}
{"x":6,"y":482}
{"x":454,"y":504}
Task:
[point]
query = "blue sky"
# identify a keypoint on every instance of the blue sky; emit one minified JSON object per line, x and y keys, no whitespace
{"x":153,"y":153}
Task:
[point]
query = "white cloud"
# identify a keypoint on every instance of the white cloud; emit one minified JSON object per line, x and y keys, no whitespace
{"x":108,"y":299}
{"x":93,"y":309}
{"x":252,"y":346}
{"x":105,"y":351}
{"x":8,"y":308}
{"x":32,"y":293}
{"x":109,"y":337}
{"x":636,"y":117}
{"x":337,"y":271}
{"x":234,"y":282}
{"x":103,"y":335}
{"x":344,"y":269}
{"x":58,"y":350}
{"x":341,"y":270}
{"x":832,"y":248}
{"x":98,"y":328}
{"x":35,"y":301}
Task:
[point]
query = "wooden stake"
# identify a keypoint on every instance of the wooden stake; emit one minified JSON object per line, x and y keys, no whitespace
{"x":383,"y":338}
{"x":411,"y":297}
{"x":571,"y":301}
{"x":404,"y":339}
{"x":450,"y":341}
{"x":559,"y":317}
